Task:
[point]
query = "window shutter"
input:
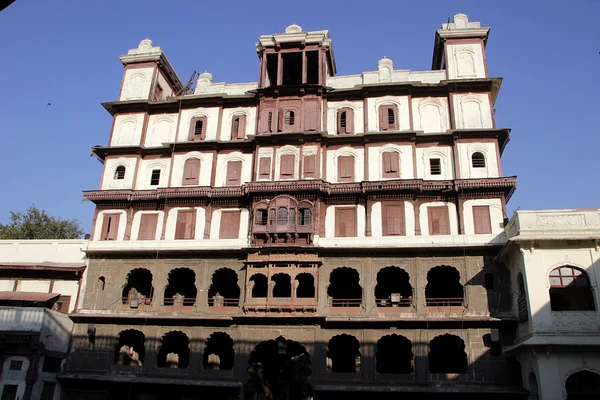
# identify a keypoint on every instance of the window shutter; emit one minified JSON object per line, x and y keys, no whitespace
{"x":345,"y":222}
{"x":241,"y":133}
{"x":230,"y":225}
{"x":148,"y":224}
{"x":383,"y":118}
{"x":110,"y":226}
{"x":391,"y":163}
{"x":394,"y":162}
{"x":264,"y":168}
{"x":349,"y":120}
{"x":393,"y":219}
{"x":394,"y":125}
{"x":280,"y":121}
{"x":263,"y":123}
{"x":310,"y":117}
{"x":191,"y":171}
{"x":439,"y":223}
{"x":481,"y":219}
{"x":287,"y":166}
{"x":186,"y":224}
{"x":309,"y":166}
{"x":387,"y":163}
{"x":340,"y":128}
{"x":234,"y":172}
{"x":345,"y":169}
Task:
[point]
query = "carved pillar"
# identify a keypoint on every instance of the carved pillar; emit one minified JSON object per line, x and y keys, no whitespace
{"x":128,"y":224}
{"x":417,"y":205}
{"x":460,"y":205}
{"x":369,"y":210}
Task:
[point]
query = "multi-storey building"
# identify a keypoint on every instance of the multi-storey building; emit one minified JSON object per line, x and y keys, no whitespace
{"x":344,"y":226}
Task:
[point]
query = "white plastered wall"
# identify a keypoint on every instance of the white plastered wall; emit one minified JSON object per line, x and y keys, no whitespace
{"x":287,"y":150}
{"x":215,"y":226}
{"x":430,"y":114}
{"x":265,"y":152}
{"x":100,"y":220}
{"x":405,"y":155}
{"x":312,"y":151}
{"x":167,"y":92}
{"x":373,"y":104}
{"x":12,"y":377}
{"x":127,"y":130}
{"x":496,"y":215}
{"x":359,"y":119}
{"x":423,"y":217}
{"x":472,"y":111}
{"x":377,"y":219}
{"x":212,"y":121}
{"x":172,"y":222}
{"x":465,"y":152}
{"x":223,"y":159}
{"x":136,"y":83}
{"x":135,"y":225}
{"x":7,"y":285}
{"x":332,"y":163}
{"x":465,"y":61}
{"x":34,"y":285}
{"x":67,"y":288}
{"x":330,"y":221}
{"x":145,"y":173}
{"x":111,"y":165}
{"x":444,"y":153}
{"x":161,"y":130}
{"x":205,"y":168}
{"x":228,"y":114}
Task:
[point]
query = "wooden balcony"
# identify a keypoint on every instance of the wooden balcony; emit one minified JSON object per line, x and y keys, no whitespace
{"x":445,"y":305}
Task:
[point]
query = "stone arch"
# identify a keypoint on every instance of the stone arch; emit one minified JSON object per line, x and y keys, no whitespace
{"x":138,"y":286}
{"x":305,"y":285}
{"x":174,"y":351}
{"x":181,"y":288}
{"x":471,"y":112}
{"x":259,"y":286}
{"x":447,"y":354}
{"x":391,"y":281}
{"x":465,"y":62}
{"x":282,"y":285}
{"x":343,"y":354}
{"x":394,"y":355}
{"x":582,"y":385}
{"x":431,"y":115}
{"x":130,"y":349}
{"x":344,"y":287}
{"x":444,"y":287}
{"x":570,"y":289}
{"x":224,"y":287}
{"x":126,"y":129}
{"x":219,"y":352}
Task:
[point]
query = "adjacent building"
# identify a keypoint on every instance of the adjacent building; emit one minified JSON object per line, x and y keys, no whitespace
{"x":342,"y":227}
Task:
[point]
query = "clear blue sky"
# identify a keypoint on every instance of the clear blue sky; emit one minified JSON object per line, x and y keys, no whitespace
{"x":66,"y":53}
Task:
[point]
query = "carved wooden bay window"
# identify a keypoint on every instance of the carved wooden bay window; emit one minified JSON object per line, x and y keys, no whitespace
{"x":282,"y":221}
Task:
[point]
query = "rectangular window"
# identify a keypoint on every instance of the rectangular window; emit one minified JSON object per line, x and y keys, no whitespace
{"x":51,"y":364}
{"x":186,"y":224}
{"x":110,"y":227}
{"x":310,"y":166}
{"x":345,"y":222}
{"x":234,"y":173}
{"x":264,"y":168}
{"x":62,"y":304}
{"x":439,"y":223}
{"x":261,"y":217}
{"x":265,"y":123}
{"x":345,"y":169}
{"x":287,"y":166}
{"x":311,"y":116}
{"x":392,"y":219}
{"x":197,"y":128}
{"x":191,"y":172}
{"x":391,"y":164}
{"x":388,"y":118}
{"x":148,"y":223}
{"x":16,"y":365}
{"x":10,"y":392}
{"x":345,"y":121}
{"x":435,"y":166}
{"x":48,"y":391}
{"x":481,"y":219}
{"x":230,"y":225}
{"x":238,"y":127}
{"x":155,"y":177}
{"x":158,"y":93}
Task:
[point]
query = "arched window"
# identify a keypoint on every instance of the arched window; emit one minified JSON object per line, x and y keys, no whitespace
{"x":443,"y":287}
{"x":224,"y":289}
{"x":174,"y":351}
{"x":304,"y":216}
{"x":101,"y":282}
{"x":393,"y":288}
{"x":570,"y":290}
{"x":344,"y":354}
{"x":447,"y":355}
{"x":282,"y":216}
{"x":289,"y":118}
{"x":344,"y":288}
{"x":238,"y":127}
{"x":282,"y":285}
{"x":120,"y":172}
{"x":181,"y":288}
{"x":345,"y":121}
{"x":139,"y":289}
{"x":478,"y":160}
{"x":130,"y":348}
{"x":191,"y":172}
{"x":583,"y":385}
{"x":394,"y":355}
{"x":258,"y":286}
{"x":219,"y":352}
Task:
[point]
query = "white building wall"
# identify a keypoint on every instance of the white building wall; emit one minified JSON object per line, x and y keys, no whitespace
{"x":465,"y":152}
{"x":405,"y":153}
{"x":7,"y":285}
{"x":358,"y":111}
{"x":167,"y":91}
{"x":373,"y":104}
{"x":472,"y":111}
{"x":161,"y":130}
{"x":465,"y":61}
{"x":127,"y":130}
{"x":100,"y":220}
{"x":223,"y":159}
{"x":172,"y":223}
{"x":228,"y":114}
{"x":145,"y":173}
{"x":444,"y":153}
{"x":179,"y":160}
{"x":137,"y":217}
{"x":377,"y":221}
{"x":430,"y":114}
{"x":110,"y":166}
{"x":215,"y":226}
{"x":67,"y":288}
{"x":332,"y":163}
{"x":32,"y":251}
{"x":423,"y":217}
{"x":34,"y":285}
{"x":496,"y":215}
{"x":136,"y":84}
{"x":212,"y":122}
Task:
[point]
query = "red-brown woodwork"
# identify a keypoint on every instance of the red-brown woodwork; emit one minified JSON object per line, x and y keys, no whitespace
{"x":391,"y":164}
{"x":186,"y":224}
{"x":191,"y":172}
{"x":345,"y":169}
{"x":392,"y":222}
{"x":230,"y":224}
{"x":234,"y":173}
{"x":439,"y":223}
{"x":148,"y":223}
{"x":345,"y":221}
{"x":110,"y":226}
{"x":481,"y":219}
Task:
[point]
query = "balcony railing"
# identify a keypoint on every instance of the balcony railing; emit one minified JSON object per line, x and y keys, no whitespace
{"x":223,"y":302}
{"x":345,"y":302}
{"x":444,"y":302}
{"x":184,"y":302}
{"x":136,"y":302}
{"x":405,"y":302}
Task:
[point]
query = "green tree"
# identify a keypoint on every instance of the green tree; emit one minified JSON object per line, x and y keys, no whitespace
{"x":36,"y":224}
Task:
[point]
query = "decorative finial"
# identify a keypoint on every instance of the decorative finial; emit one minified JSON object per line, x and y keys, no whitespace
{"x":293,"y":29}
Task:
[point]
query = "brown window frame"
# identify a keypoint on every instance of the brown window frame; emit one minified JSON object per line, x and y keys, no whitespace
{"x":435,"y":169}
{"x":384,"y":117}
{"x":393,"y":230}
{"x":342,"y":177}
{"x":109,"y":221}
{"x":226,"y":230}
{"x":345,"y":126}
{"x":228,"y":180}
{"x":310,"y":166}
{"x":430,"y":220}
{"x":150,"y":233}
{"x":478,"y":162}
{"x":120,"y":172}
{"x":480,"y":227}
{"x":181,"y":232}
{"x":339,"y":218}
{"x":570,"y":290}
{"x":192,"y":135}
{"x":264,"y":167}
{"x":389,"y":160}
{"x":240,"y":133}
{"x":286,"y":173}
{"x":191,"y":180}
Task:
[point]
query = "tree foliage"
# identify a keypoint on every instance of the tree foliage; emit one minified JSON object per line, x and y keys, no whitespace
{"x":37,"y":224}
